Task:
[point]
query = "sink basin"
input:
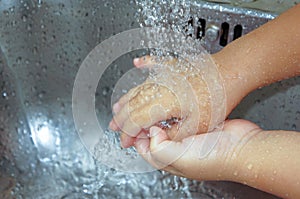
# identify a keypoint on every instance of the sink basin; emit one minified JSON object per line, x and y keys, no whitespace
{"x":42,"y":44}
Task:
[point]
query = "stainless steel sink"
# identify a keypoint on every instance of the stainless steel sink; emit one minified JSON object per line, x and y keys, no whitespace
{"x":42,"y":44}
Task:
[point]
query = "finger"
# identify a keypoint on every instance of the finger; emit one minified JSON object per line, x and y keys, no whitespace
{"x":145,"y":117}
{"x":144,"y":62}
{"x":164,"y":150}
{"x":149,"y":61}
{"x":157,"y":135}
{"x":120,"y":118}
{"x":126,"y":140}
{"x":117,"y":107}
{"x":142,"y":145}
{"x":135,"y":110}
{"x":124,"y":99}
{"x":161,"y":148}
{"x":113,"y":125}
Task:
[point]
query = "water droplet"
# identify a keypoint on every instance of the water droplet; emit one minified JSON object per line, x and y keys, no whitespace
{"x":267,"y":151}
{"x":4,"y":95}
{"x":26,"y":103}
{"x":41,"y":94}
{"x":147,"y":98}
{"x":39,"y":3}
{"x":58,"y":56}
{"x":5,"y":12}
{"x":29,"y":26}
{"x":18,"y":60}
{"x":44,"y":68}
{"x":13,"y":23}
{"x":250,"y":166}
{"x":35,"y":50}
{"x":105,"y":91}
{"x":298,"y":114}
{"x":12,"y":9}
{"x":24,"y":18}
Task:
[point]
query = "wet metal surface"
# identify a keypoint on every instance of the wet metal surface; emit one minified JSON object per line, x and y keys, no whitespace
{"x":42,"y":44}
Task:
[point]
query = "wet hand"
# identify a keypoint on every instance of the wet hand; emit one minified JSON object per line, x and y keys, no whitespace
{"x":176,"y":99}
{"x":210,"y":156}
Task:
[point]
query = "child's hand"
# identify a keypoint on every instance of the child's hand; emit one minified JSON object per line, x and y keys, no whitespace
{"x":211,"y":156}
{"x":177,"y":95}
{"x":267,"y":160}
{"x":241,"y":152}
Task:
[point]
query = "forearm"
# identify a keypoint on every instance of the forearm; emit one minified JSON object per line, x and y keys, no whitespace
{"x":266,"y":55}
{"x":270,"y":161}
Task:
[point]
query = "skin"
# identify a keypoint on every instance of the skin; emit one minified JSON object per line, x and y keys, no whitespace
{"x":133,"y":115}
{"x":242,"y":152}
{"x":266,"y":160}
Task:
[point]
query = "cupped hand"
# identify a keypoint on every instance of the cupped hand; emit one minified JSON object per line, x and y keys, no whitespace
{"x":210,"y":156}
{"x":176,"y":98}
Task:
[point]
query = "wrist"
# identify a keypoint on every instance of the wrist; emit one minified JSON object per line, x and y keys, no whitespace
{"x":267,"y":161}
{"x":238,"y":135}
{"x":236,"y":81}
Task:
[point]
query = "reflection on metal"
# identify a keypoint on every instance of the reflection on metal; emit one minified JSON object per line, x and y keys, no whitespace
{"x":215,"y":15}
{"x":44,"y":44}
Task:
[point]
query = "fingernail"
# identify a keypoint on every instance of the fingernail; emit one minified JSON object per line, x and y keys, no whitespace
{"x":136,"y":60}
{"x":154,"y":131}
{"x":116,"y":107}
{"x":141,"y":145}
{"x":142,"y":135}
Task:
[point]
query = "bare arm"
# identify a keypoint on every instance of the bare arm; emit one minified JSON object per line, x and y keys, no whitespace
{"x":266,"y":160}
{"x":266,"y":55}
{"x":270,"y":161}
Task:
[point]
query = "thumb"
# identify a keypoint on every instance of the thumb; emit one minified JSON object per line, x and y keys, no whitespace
{"x":164,"y":150}
{"x":158,"y":136}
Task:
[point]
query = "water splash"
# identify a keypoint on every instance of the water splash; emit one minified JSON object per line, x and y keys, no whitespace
{"x":163,"y":13}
